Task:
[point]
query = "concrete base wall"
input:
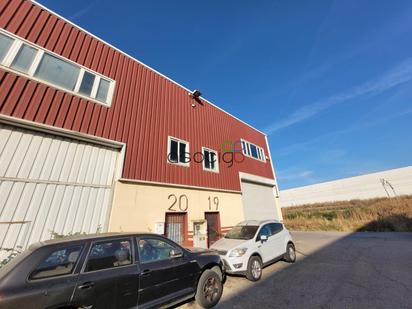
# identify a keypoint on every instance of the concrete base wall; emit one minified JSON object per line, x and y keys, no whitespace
{"x":141,"y":207}
{"x":388,"y":183}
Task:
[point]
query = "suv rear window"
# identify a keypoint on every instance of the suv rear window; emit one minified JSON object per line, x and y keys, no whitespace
{"x":58,"y":263}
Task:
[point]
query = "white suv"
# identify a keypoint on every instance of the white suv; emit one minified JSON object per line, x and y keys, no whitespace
{"x":251,"y":245}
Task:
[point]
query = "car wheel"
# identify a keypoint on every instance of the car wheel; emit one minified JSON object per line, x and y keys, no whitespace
{"x":209,"y":289}
{"x":290,"y":255}
{"x":254,"y":268}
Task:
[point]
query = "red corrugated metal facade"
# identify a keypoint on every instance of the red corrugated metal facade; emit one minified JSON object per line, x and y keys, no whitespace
{"x":146,"y":107}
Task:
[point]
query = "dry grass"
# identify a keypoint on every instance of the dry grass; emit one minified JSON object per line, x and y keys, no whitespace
{"x":379,"y":214}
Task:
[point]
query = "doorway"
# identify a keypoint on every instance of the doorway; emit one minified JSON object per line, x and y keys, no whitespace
{"x":176,"y":227}
{"x":213,"y":227}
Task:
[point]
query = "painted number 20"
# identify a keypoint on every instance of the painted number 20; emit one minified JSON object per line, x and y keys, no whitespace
{"x":182,"y":201}
{"x":215,"y":202}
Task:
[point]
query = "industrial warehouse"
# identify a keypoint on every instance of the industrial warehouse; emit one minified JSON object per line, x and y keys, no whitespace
{"x":93,"y":140}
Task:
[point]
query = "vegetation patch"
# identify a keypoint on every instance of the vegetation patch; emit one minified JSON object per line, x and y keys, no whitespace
{"x":371,"y":215}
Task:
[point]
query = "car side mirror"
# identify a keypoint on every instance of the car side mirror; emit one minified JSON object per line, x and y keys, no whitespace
{"x":175,"y":254}
{"x":263,"y":237}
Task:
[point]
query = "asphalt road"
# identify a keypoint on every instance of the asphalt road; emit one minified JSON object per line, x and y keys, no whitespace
{"x":333,"y":270}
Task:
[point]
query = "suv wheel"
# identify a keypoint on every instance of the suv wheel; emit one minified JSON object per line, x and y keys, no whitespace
{"x":254,"y":268}
{"x":209,"y":289}
{"x":290,"y":255}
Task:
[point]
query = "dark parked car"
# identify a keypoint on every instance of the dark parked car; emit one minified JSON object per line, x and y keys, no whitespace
{"x":110,"y":271}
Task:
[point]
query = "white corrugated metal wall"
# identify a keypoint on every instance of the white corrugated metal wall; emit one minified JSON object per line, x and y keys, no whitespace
{"x":52,"y":183}
{"x":389,"y":183}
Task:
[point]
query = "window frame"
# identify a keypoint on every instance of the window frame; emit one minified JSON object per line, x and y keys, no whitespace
{"x":216,"y":169}
{"x":247,"y":151}
{"x":86,"y":258}
{"x":14,"y":50}
{"x":178,"y":140}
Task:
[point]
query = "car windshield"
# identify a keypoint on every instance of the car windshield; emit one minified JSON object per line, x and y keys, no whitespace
{"x":242,"y":232}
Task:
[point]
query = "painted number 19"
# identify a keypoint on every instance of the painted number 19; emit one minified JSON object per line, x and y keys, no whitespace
{"x":213,"y":203}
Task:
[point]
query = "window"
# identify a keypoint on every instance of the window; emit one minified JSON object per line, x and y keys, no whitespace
{"x":109,"y":254}
{"x":58,"y":72}
{"x":178,"y":151}
{"x":210,"y":160}
{"x":276,"y":227}
{"x":154,"y":249}
{"x":59,"y":262}
{"x":253,"y":151}
{"x":103,"y":90}
{"x":40,"y":64}
{"x":87,"y":83}
{"x":5,"y":44}
{"x":24,"y":58}
{"x":265,"y":230}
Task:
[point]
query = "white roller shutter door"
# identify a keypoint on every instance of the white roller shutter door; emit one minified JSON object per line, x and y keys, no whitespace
{"x":52,"y":183}
{"x":259,"y":201}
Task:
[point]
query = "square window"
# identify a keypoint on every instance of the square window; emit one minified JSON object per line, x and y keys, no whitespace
{"x":24,"y":58}
{"x":210,"y":162}
{"x":178,"y":151}
{"x":87,"y":83}
{"x":5,"y":44}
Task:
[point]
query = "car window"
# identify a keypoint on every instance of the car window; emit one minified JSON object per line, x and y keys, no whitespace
{"x":154,"y":249}
{"x":265,"y":230}
{"x":109,"y":254}
{"x":57,"y":263}
{"x":276,"y":228}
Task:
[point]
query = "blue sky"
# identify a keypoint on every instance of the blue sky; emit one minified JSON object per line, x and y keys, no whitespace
{"x":330,"y":82}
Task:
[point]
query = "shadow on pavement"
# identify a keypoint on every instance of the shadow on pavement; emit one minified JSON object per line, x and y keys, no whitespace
{"x":343,"y":270}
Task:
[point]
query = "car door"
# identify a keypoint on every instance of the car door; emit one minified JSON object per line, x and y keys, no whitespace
{"x":277,"y":239}
{"x":54,"y":278}
{"x":265,"y":246}
{"x":167,"y":273}
{"x":109,"y":278}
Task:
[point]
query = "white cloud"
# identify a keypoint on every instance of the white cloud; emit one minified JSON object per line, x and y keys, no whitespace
{"x":398,"y":75}
{"x":293,"y":174}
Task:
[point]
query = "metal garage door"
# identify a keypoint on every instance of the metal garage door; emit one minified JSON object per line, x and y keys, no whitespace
{"x":51,"y":183}
{"x":258,"y":201}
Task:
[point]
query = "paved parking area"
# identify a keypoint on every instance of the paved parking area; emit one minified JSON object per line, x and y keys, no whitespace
{"x":333,"y":270}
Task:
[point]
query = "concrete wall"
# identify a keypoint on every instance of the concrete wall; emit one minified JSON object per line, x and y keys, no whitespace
{"x":140,"y":207}
{"x":395,"y":182}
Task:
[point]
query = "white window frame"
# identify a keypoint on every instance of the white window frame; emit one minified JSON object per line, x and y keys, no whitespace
{"x":216,"y":169}
{"x":179,"y":141}
{"x":14,"y":49}
{"x":248,"y":151}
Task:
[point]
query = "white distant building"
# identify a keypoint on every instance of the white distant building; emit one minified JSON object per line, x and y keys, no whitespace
{"x":388,"y":183}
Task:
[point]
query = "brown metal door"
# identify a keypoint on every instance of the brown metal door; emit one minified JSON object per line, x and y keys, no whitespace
{"x":175,"y":227}
{"x":213,"y":227}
